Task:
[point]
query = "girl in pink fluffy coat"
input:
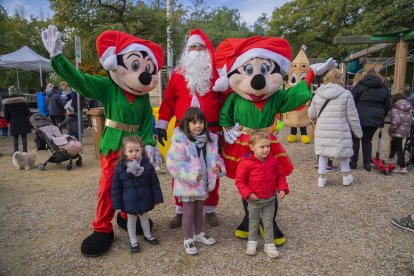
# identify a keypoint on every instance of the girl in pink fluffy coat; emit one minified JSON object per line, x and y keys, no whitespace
{"x":194,"y":162}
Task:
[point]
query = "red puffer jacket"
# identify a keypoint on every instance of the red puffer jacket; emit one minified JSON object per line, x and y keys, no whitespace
{"x":261,"y":178}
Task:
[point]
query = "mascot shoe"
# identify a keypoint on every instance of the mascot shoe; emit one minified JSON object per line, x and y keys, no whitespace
{"x":304,"y":139}
{"x":97,"y":244}
{"x":291,"y":138}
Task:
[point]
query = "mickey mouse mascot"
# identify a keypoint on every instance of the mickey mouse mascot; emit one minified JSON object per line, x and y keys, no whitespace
{"x":132,"y":64}
{"x":250,"y":72}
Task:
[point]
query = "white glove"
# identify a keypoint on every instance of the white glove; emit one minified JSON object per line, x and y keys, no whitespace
{"x":320,"y":68}
{"x":52,"y":40}
{"x":231,"y":135}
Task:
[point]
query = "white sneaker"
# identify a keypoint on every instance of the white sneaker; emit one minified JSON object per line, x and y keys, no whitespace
{"x":347,"y":180}
{"x":322,"y":181}
{"x":190,"y":247}
{"x":251,"y":248}
{"x":270,"y":249}
{"x":401,"y":170}
{"x":159,"y":169}
{"x":203,"y":238}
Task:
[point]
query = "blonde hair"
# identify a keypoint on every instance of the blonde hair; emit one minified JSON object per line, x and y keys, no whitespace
{"x":333,"y":76}
{"x":258,"y":135}
{"x":373,"y":72}
{"x":63,"y":83}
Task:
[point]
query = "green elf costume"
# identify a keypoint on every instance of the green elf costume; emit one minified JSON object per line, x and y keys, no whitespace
{"x":133,"y":64}
{"x":250,"y":73}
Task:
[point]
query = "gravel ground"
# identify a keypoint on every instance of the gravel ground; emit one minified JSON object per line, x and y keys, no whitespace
{"x":336,"y":230}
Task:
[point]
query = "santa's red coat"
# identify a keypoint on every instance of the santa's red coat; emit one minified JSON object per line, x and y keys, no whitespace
{"x":177,"y":99}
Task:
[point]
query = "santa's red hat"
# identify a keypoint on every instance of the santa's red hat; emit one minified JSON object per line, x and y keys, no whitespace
{"x":111,"y":43}
{"x":197,"y":36}
{"x":234,"y":52}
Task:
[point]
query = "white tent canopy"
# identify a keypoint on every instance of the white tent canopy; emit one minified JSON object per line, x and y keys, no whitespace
{"x":26,"y":59}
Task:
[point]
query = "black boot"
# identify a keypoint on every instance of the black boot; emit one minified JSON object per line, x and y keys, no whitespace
{"x":279,"y":238}
{"x":97,"y":244}
{"x":242,"y":230}
{"x":122,"y":223}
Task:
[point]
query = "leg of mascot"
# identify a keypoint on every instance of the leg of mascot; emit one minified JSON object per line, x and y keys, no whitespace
{"x":242,"y":230}
{"x":100,"y":241}
{"x":304,"y":137}
{"x":292,"y":137}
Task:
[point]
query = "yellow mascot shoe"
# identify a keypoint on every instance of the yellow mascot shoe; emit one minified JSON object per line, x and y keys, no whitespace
{"x":304,"y":139}
{"x":291,"y":138}
{"x":279,"y":241}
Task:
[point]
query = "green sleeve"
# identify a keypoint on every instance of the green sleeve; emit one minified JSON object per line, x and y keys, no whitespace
{"x":293,"y":97}
{"x":227,"y":111}
{"x":146,"y":127}
{"x":87,"y":85}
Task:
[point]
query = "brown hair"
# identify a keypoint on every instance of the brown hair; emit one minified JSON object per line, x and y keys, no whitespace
{"x":131,"y":139}
{"x":396,"y":97}
{"x":334,"y":76}
{"x":194,"y":114}
{"x":258,"y":135}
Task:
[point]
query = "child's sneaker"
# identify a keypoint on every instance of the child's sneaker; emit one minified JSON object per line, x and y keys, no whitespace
{"x":270,"y":249}
{"x":322,"y":181}
{"x":190,"y":247}
{"x":405,"y":223}
{"x":203,"y":238}
{"x":401,"y":170}
{"x":347,"y":180}
{"x":251,"y":248}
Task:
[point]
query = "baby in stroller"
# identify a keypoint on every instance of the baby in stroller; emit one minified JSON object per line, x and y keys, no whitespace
{"x":63,"y":147}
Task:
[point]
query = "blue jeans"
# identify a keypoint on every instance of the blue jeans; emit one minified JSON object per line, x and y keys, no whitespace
{"x":4,"y":131}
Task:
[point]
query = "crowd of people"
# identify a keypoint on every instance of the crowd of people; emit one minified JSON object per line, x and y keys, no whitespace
{"x":129,"y":183}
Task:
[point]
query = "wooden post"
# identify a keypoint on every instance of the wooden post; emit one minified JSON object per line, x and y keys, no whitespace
{"x":400,"y":67}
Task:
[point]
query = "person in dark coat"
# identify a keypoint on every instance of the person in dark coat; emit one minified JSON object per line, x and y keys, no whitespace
{"x":71,"y":121}
{"x":372,"y":100}
{"x":55,"y":106}
{"x":17,"y":113}
{"x":135,"y":189}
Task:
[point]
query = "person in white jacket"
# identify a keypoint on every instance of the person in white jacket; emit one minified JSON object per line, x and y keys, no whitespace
{"x":335,"y":121}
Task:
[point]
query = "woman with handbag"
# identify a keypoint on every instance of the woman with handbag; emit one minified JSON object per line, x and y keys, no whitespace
{"x":334,"y":109}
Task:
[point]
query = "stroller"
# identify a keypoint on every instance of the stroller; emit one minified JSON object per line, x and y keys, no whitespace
{"x":62,"y":146}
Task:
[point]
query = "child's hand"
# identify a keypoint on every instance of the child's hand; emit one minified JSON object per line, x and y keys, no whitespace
{"x":253,"y":197}
{"x":199,"y":176}
{"x":281,"y":194}
{"x":217,"y":170}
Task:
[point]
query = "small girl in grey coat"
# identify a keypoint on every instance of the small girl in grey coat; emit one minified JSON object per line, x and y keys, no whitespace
{"x":400,"y":128}
{"x":333,"y":137}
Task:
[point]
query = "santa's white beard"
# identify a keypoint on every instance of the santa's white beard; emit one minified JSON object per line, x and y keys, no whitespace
{"x":197,"y":71}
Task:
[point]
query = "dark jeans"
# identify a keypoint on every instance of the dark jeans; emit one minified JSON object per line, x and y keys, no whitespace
{"x":294,"y":131}
{"x":396,"y":148}
{"x":56,"y":119}
{"x":75,"y":134}
{"x":16,"y":142}
{"x":368,"y":133}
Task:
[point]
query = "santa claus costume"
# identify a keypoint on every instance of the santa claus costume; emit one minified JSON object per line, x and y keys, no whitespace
{"x":185,"y":90}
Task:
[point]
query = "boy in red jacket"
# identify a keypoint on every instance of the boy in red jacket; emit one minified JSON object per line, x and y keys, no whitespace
{"x":259,"y":177}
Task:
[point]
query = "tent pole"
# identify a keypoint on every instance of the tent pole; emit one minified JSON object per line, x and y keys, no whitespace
{"x":18,"y":82}
{"x":41,"y":81}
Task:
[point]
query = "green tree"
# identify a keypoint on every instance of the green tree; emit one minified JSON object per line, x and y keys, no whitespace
{"x":316,"y":23}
